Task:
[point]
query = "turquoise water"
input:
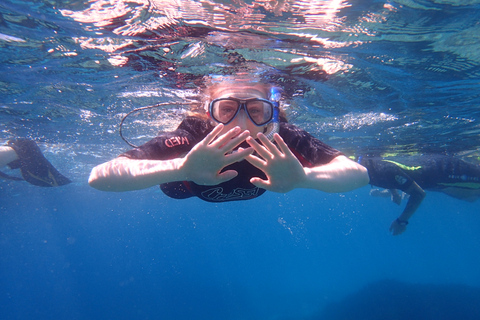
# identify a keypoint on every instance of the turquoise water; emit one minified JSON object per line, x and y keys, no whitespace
{"x":395,"y":77}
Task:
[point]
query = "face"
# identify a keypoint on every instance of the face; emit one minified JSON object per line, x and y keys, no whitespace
{"x":226,"y":109}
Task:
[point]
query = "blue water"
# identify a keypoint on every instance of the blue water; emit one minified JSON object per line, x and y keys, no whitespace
{"x":396,"y":76}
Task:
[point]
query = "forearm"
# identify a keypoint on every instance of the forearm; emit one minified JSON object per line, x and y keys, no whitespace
{"x":340,"y":175}
{"x":124,"y":174}
{"x":417,"y":194}
{"x":7,"y":155}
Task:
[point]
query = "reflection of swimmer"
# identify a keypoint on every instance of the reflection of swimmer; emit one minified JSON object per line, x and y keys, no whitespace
{"x":216,"y":163}
{"x":452,"y":176}
{"x":25,"y":155}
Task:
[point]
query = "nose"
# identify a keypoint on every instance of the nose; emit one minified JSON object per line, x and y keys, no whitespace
{"x":241,"y":119}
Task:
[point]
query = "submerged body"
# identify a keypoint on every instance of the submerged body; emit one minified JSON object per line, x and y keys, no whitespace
{"x":412,"y":175}
{"x":24,"y":154}
{"x":248,"y":152}
{"x":309,"y":151}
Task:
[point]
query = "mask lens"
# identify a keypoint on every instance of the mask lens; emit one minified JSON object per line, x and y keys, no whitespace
{"x":224,"y":110}
{"x":259,"y":111}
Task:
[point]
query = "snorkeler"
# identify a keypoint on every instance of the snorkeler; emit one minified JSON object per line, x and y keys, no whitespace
{"x":224,"y":162}
{"x":414,"y":174}
{"x":24,"y":154}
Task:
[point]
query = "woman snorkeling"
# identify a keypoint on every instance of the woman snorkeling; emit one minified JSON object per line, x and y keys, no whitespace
{"x":236,"y":148}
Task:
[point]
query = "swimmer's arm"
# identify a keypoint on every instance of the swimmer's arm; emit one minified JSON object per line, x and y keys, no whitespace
{"x":7,"y":155}
{"x":124,"y":174}
{"x":417,"y":194}
{"x":202,"y":165}
{"x":339,"y":175}
{"x":285,"y":172}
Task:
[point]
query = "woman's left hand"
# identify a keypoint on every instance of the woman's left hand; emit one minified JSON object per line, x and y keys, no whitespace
{"x":284,"y":171}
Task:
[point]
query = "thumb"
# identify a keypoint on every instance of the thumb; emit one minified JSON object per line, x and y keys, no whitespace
{"x":258,"y":182}
{"x":227,"y":175}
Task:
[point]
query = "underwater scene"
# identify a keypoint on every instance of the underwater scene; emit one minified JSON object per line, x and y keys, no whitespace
{"x":393,"y":86}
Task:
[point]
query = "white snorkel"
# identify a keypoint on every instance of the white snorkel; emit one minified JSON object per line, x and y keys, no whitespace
{"x":274,"y":125}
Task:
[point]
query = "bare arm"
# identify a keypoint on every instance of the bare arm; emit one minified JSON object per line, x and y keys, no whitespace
{"x":202,"y":165}
{"x":284,"y":171}
{"x":124,"y":174}
{"x":7,"y":155}
{"x":339,"y":175}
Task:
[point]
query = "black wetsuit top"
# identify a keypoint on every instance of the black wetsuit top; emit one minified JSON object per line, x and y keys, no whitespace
{"x":169,"y":145}
{"x":430,"y":172}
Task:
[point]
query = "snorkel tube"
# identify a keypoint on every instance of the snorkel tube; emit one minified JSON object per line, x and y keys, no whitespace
{"x":274,"y":125}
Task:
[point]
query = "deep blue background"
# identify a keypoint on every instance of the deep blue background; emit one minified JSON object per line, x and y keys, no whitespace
{"x":77,"y":253}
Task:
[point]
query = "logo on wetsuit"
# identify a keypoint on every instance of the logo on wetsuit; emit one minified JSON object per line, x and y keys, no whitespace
{"x":216,"y":194}
{"x":176,"y":141}
{"x":401,"y":179}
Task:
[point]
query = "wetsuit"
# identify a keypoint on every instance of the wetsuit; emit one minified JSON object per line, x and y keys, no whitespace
{"x":412,"y":175}
{"x":169,"y":145}
{"x":34,"y":167}
{"x":431,"y":172}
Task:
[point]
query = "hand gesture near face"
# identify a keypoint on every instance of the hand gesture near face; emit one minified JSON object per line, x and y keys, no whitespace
{"x":283,"y":170}
{"x":204,"y":162}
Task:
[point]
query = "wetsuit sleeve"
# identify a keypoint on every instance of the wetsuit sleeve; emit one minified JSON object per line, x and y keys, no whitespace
{"x":171,"y":145}
{"x":308,"y":149}
{"x":387,"y":175}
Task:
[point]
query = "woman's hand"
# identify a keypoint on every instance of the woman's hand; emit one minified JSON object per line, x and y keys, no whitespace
{"x":204,"y":162}
{"x":284,"y":171}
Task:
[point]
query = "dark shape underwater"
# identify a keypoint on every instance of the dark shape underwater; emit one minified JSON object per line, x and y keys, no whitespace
{"x":35,"y":168}
{"x":394,"y":300}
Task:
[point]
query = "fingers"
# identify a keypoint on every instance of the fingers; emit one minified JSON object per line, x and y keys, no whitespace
{"x":258,"y":182}
{"x":229,"y":140}
{"x":261,"y":150}
{"x":219,"y":141}
{"x":212,"y":139}
{"x":256,"y":162}
{"x":213,"y":134}
{"x":239,"y":155}
{"x":268,"y":144}
{"x":227,"y":175}
{"x":268,"y":149}
{"x":231,"y":143}
{"x":282,"y":145}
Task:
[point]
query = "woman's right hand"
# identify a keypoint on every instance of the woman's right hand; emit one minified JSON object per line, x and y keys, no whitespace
{"x":204,"y":162}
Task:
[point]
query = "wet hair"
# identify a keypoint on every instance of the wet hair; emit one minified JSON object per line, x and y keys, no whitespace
{"x":216,"y":90}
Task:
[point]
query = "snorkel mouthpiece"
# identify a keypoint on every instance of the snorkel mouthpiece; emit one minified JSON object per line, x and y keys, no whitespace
{"x":274,"y":125}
